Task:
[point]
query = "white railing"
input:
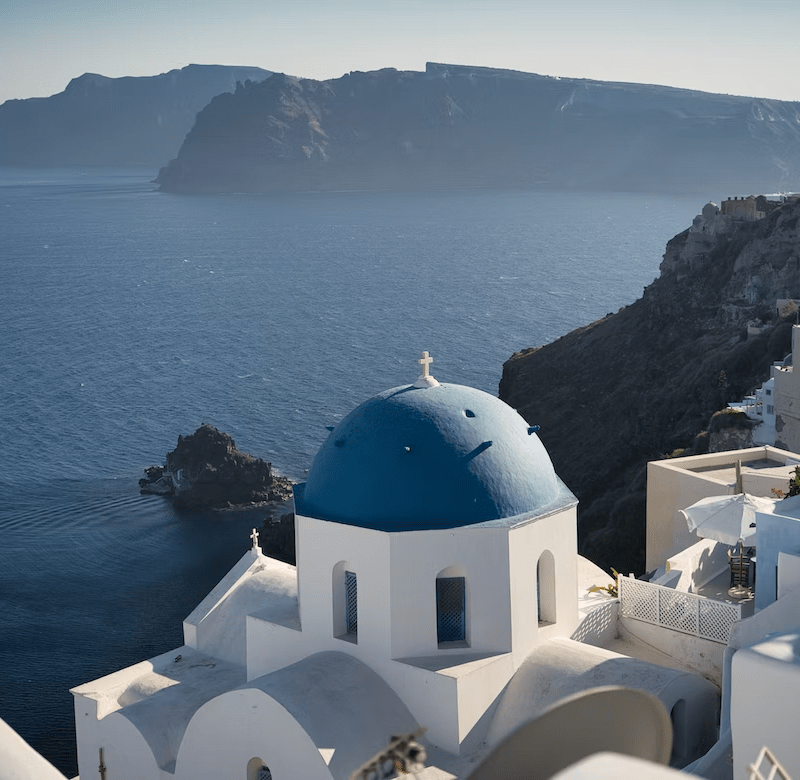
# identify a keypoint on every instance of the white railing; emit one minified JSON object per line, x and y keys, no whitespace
{"x":677,"y":610}
{"x":770,"y":766}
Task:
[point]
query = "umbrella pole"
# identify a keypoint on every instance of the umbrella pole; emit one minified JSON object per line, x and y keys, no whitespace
{"x":740,"y":590}
{"x":741,"y":563}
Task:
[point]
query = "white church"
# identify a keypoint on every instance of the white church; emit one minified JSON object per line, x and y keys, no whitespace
{"x":437,"y":586}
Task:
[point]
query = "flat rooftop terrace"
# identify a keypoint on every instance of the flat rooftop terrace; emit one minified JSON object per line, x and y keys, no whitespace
{"x":726,"y":472}
{"x":717,"y":589}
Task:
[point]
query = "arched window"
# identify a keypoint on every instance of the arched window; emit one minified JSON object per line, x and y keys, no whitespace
{"x":345,"y":602}
{"x":258,"y":770}
{"x":451,"y":607}
{"x":351,"y":602}
{"x":546,"y":588}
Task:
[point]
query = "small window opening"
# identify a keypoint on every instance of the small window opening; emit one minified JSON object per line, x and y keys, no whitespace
{"x":546,"y":588}
{"x":469,"y":413}
{"x":450,"y":609}
{"x":351,"y":602}
{"x":344,"y":602}
{"x":258,"y":770}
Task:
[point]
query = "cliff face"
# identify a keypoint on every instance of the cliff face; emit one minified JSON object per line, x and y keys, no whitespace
{"x":98,"y":121}
{"x":456,"y":126}
{"x":645,"y":381}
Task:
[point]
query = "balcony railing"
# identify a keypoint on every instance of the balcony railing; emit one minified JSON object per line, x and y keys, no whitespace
{"x":677,"y":610}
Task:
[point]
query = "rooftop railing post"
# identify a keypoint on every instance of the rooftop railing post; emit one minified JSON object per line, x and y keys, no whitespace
{"x":697,"y":617}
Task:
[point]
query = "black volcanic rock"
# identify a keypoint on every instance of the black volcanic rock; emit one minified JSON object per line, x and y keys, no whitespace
{"x":643,"y":382}
{"x":457,"y":126}
{"x":207,"y":471}
{"x":121,"y":122}
{"x":277,"y":537}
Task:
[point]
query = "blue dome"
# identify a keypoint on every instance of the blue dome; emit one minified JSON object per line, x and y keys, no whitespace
{"x":432,"y":457}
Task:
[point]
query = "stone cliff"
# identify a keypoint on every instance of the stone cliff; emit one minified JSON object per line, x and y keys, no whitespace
{"x":643,"y":382}
{"x":206,"y":470}
{"x":457,"y":126}
{"x":122,"y":122}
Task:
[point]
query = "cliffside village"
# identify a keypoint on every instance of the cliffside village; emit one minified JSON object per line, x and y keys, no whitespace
{"x":774,"y":408}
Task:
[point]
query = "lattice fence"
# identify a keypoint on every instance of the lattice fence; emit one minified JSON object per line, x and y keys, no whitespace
{"x":677,"y":610}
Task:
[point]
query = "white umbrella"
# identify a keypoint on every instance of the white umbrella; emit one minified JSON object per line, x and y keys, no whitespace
{"x":727,"y":518}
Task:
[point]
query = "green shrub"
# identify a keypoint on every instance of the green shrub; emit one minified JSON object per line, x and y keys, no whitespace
{"x":728,"y":418}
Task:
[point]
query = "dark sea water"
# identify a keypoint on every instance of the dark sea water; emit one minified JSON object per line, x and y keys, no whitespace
{"x":129,"y":316}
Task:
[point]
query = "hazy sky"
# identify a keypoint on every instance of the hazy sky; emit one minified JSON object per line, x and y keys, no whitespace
{"x":739,"y":47}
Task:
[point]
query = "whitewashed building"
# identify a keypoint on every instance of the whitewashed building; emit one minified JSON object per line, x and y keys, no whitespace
{"x":758,"y":664}
{"x":787,"y":399}
{"x":437,"y":584}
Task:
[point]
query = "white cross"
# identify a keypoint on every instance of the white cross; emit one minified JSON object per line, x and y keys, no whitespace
{"x":425,"y":362}
{"x":425,"y":379}
{"x":254,"y":537}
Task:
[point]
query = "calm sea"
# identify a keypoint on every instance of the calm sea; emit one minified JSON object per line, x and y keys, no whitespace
{"x":130,"y":316}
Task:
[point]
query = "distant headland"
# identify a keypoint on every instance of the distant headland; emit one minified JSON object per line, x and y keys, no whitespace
{"x":214,"y":129}
{"x":455,"y":127}
{"x":122,"y":123}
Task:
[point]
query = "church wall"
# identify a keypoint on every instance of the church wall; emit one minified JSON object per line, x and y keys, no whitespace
{"x":126,"y":754}
{"x":557,"y":534}
{"x":86,"y":733}
{"x":193,"y":625}
{"x":94,"y":704}
{"x":478,"y":692}
{"x":322,"y":545}
{"x":216,"y":626}
{"x":271,"y":646}
{"x":449,"y":700}
{"x":432,"y":699}
{"x":227,"y":732}
{"x":397,"y":582}
{"x":480,"y":555}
